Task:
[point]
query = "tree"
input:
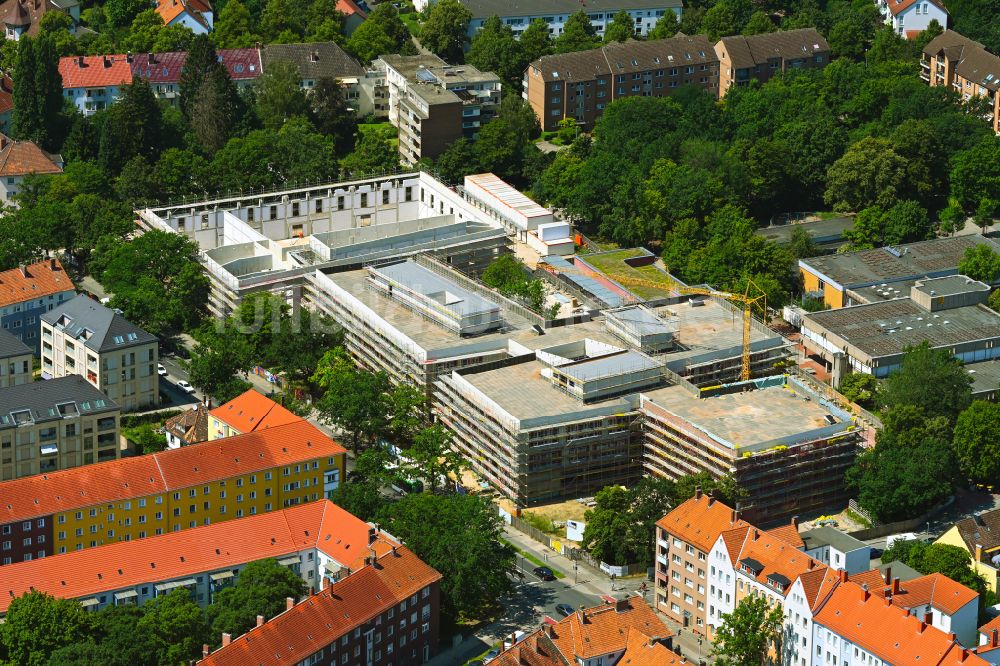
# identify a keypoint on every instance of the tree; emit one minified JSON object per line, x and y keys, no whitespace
{"x":146,"y":27}
{"x":759,"y":24}
{"x":234,"y":27}
{"x":282,"y":18}
{"x":535,"y":41}
{"x":905,"y":222}
{"x":869,"y":174}
{"x":407,"y":414}
{"x":861,"y":388}
{"x":952,"y":219}
{"x":621,"y":28}
{"x":361,"y":493}
{"x":973,"y":172}
{"x":461,"y":537}
{"x":374,"y":153}
{"x":176,"y":625}
{"x":37,"y":624}
{"x":495,"y":49}
{"x":801,"y":244}
{"x":279,"y":95}
{"x":945,"y":559}
{"x":219,"y":356}
{"x":508,"y":276}
{"x":381,"y":33}
{"x":727,"y":17}
{"x":38,"y":93}
{"x":578,"y":35}
{"x":133,"y":126}
{"x":354,"y":400}
{"x":980,"y":263}
{"x":445,"y":31}
{"x":121,"y":13}
{"x":200,"y":61}
{"x":666,"y":27}
{"x":977,"y":442}
{"x":931,"y":379}
{"x":218,"y":110}
{"x":749,"y":634}
{"x":260,"y":589}
{"x":331,"y":114}
{"x":985,"y":213}
{"x":431,"y":457}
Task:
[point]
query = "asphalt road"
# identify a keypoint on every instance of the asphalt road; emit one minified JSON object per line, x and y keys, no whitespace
{"x":168,"y":384}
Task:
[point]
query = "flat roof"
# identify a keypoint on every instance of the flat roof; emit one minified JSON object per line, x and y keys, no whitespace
{"x":950,"y":285}
{"x":748,"y":418}
{"x":507,"y":195}
{"x":613,"y":265}
{"x":829,"y":536}
{"x":889,"y":327}
{"x":821,"y":231}
{"x":985,"y":376}
{"x":708,"y":327}
{"x":621,"y":363}
{"x":925,"y":258}
{"x":446,"y":293}
{"x":639,"y":319}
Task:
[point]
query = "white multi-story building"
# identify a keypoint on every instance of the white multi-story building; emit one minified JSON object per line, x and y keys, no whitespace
{"x":93,"y":83}
{"x":909,"y":17}
{"x":555,"y":13}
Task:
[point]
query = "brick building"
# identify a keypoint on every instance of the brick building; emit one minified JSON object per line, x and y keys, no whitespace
{"x":759,"y":57}
{"x":581,"y":85}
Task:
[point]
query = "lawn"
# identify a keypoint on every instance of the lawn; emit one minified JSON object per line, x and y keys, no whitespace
{"x":412,"y":21}
{"x":613,"y":265}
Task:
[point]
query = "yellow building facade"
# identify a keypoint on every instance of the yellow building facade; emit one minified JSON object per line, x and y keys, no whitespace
{"x":953,"y":537}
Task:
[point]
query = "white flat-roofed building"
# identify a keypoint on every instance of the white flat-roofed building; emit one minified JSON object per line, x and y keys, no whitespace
{"x":554,"y":238}
{"x":555,"y":13}
{"x":515,"y":211}
{"x":641,"y":328}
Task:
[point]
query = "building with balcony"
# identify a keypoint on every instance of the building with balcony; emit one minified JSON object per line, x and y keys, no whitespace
{"x":908,"y":18}
{"x":966,"y":67}
{"x":581,"y":85}
{"x":432,"y":103}
{"x":93,"y":83}
{"x":759,"y":57}
{"x":15,"y":361}
{"x":384,"y":612}
{"x":319,"y":541}
{"x":28,"y":292}
{"x":163,"y":70}
{"x":82,"y":337}
{"x":55,"y":425}
{"x":555,"y":13}
{"x":173,"y":490}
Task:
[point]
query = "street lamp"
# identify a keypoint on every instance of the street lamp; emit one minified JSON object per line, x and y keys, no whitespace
{"x":576,"y":568}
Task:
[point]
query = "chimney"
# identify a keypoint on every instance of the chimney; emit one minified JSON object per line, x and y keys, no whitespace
{"x":711,"y":498}
{"x":929,"y":617}
{"x":995,"y":639}
{"x":289,"y":603}
{"x":312,"y":590}
{"x":755,"y":535}
{"x":52,"y":263}
{"x":734,"y":516}
{"x":621,"y":605}
{"x":260,"y":620}
{"x":150,"y":58}
{"x":128,"y":56}
{"x":795,"y":522}
{"x":372,"y":535}
{"x":226,"y":639}
{"x":810,"y":564}
{"x":79,"y":61}
{"x":697,"y":492}
{"x":3,"y":141}
{"x":888,"y":601}
{"x":923,"y":625}
{"x":550,"y":631}
{"x":207,"y":650}
{"x":843,"y":576}
{"x":979,"y":552}
{"x":965,"y":654}
{"x":107,"y":61}
{"x":895,"y":585}
{"x":24,"y":270}
{"x":867,"y":593}
{"x":581,"y":616}
{"x":888,"y":575}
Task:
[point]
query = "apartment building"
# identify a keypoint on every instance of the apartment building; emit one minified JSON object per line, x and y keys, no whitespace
{"x":15,"y":361}
{"x":837,"y":549}
{"x":319,"y":541}
{"x":759,"y":57}
{"x":684,"y":538}
{"x":177,"y":489}
{"x":20,"y":159}
{"x":82,"y":337}
{"x":93,"y":83}
{"x":29,"y":291}
{"x":24,"y":17}
{"x":163,"y":70}
{"x":385,"y":612}
{"x":433,"y":103}
{"x":248,"y":412}
{"x":908,"y":18}
{"x":979,"y":536}
{"x":966,"y":67}
{"x":555,"y":13}
{"x":195,"y":15}
{"x":315,"y":61}
{"x":581,"y":85}
{"x":55,"y":425}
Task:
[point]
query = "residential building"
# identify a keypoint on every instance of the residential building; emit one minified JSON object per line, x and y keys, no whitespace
{"x":93,"y":83}
{"x":163,"y":70}
{"x":908,"y":18}
{"x":188,"y":427}
{"x":756,"y":437}
{"x":286,"y":241}
{"x":23,"y":17}
{"x":966,"y":67}
{"x":354,"y":15}
{"x":28,"y":292}
{"x":385,"y":612}
{"x":555,"y":13}
{"x":868,"y":276}
{"x":318,"y":541}
{"x":837,"y":550}
{"x":195,"y":15}
{"x":19,"y":159}
{"x":248,"y":412}
{"x":580,"y":85}
{"x":948,"y":313}
{"x":173,"y":490}
{"x":6,"y":102}
{"x":684,"y":538}
{"x":989,"y":642}
{"x":759,"y":57}
{"x":979,"y":536}
{"x":15,"y":361}
{"x":82,"y":337}
{"x":319,"y":60}
{"x":55,"y":425}
{"x":433,"y":103}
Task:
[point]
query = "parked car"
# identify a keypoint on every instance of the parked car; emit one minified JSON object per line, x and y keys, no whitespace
{"x":160,"y":370}
{"x":544,"y":573}
{"x":564,"y":609}
{"x":876,"y":553}
{"x":184,"y":386}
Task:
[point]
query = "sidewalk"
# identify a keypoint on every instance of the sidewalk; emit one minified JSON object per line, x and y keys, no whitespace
{"x":588,"y":579}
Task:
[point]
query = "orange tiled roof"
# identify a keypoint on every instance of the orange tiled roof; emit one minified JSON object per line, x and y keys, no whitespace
{"x":349,"y":8}
{"x":6,"y":94}
{"x":990,"y":626}
{"x":775,"y":556}
{"x":95,"y":71}
{"x":253,"y":411}
{"x":603,"y":629}
{"x":733,"y":540}
{"x":535,"y":649}
{"x":34,"y":281}
{"x":888,"y":631}
{"x":699,"y":521}
{"x":20,"y":158}
{"x":124,"y":564}
{"x":789,"y":534}
{"x":897,"y":6}
{"x":935,"y":590}
{"x":171,"y":9}
{"x":115,"y":480}
{"x":641,"y":651}
{"x":818,"y":584}
{"x":324,"y":617}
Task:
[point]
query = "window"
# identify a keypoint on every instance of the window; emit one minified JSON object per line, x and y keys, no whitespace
{"x":385,"y":197}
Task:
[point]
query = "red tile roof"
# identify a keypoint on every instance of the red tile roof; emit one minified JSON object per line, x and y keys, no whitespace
{"x":990,"y":626}
{"x":888,"y":631}
{"x":95,"y":71}
{"x":324,"y":617}
{"x":818,"y":584}
{"x":169,"y":10}
{"x":776,"y":557}
{"x":115,"y":480}
{"x":6,"y":94}
{"x":898,"y":6}
{"x":83,"y":573}
{"x":190,"y":426}
{"x":535,"y":649}
{"x":641,"y":651}
{"x":252,"y":411}
{"x":21,"y":158}
{"x":789,"y":534}
{"x":935,"y":590}
{"x":699,"y":521}
{"x":603,"y":629}
{"x":34,"y":281}
{"x":348,"y":8}
{"x":166,"y":67}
